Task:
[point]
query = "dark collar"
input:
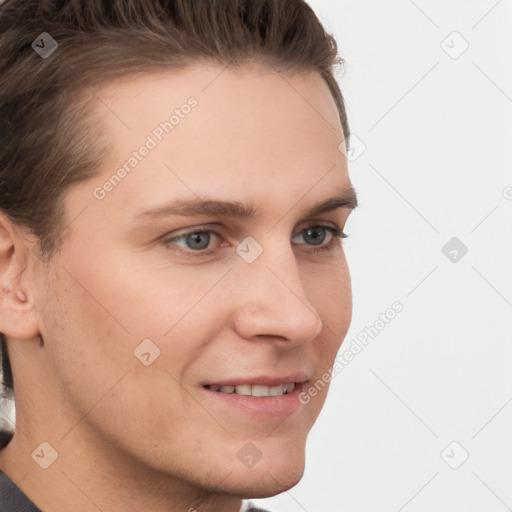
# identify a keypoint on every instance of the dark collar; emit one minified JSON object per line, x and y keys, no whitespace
{"x":12,"y":498}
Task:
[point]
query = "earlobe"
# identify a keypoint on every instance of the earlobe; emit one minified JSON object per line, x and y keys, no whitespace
{"x":17,"y":315}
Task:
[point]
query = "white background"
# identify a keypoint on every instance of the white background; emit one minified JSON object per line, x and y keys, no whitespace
{"x":438,"y":137}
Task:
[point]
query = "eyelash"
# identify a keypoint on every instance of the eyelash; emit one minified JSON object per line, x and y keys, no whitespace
{"x":337,"y":235}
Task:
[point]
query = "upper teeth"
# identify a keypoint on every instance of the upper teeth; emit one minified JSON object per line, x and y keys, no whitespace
{"x":255,"y":389}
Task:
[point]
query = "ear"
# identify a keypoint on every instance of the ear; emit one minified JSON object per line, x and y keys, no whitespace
{"x":18,"y":317}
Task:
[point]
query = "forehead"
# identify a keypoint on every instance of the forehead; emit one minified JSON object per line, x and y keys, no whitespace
{"x":224,"y":88}
{"x":231,"y":131}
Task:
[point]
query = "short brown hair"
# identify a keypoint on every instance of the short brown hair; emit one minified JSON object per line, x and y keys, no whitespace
{"x":47,"y":140}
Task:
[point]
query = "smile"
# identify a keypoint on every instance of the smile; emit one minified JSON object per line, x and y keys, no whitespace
{"x":258,"y":390}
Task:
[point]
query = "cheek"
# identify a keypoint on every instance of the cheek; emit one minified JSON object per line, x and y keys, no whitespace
{"x":98,"y":313}
{"x":85,"y":346}
{"x":143,"y":300}
{"x":330,"y":293}
{"x":92,"y":362}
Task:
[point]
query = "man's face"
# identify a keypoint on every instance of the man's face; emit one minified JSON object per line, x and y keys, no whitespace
{"x":145,"y":315}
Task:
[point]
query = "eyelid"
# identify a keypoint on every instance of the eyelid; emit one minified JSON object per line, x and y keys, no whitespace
{"x":337,"y":234}
{"x":215,"y":229}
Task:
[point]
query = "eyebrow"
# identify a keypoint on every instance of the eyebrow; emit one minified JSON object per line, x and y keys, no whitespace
{"x":346,"y":198}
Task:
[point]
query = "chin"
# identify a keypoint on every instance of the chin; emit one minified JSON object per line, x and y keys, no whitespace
{"x":272,"y":487}
{"x":262,"y":486}
{"x":268,"y":478}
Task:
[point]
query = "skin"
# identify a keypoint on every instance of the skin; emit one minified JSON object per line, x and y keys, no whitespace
{"x":134,"y":437}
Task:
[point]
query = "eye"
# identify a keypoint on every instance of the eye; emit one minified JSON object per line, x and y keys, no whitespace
{"x":311,"y":233}
{"x":197,"y":242}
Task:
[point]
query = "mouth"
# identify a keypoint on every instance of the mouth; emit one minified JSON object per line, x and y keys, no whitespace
{"x":259,"y":390}
{"x":259,"y":397}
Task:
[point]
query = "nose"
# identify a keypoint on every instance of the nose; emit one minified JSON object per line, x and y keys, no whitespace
{"x":271,"y":302}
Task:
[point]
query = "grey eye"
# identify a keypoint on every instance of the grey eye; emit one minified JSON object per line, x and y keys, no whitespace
{"x":199,"y":240}
{"x":315,"y":234}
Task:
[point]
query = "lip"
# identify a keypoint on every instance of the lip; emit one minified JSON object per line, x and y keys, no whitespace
{"x":258,"y":408}
{"x":264,"y":380}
